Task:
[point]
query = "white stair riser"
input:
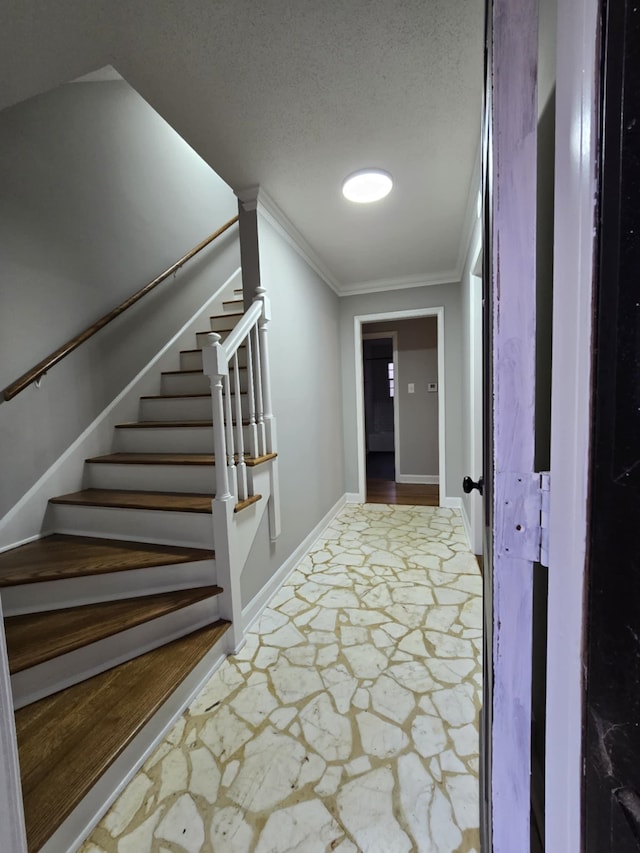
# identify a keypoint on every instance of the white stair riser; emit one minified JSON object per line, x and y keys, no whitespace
{"x":189,"y":529}
{"x":185,"y":383}
{"x":176,"y":409}
{"x":233,"y":306}
{"x":63,"y":671}
{"x":218,"y":324}
{"x":152,"y":478}
{"x":74,"y":592}
{"x":192,"y":360}
{"x":161,"y":440}
{"x":185,"y":409}
{"x":169,"y":440}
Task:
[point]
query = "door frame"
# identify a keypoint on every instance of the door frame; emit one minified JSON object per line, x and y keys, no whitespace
{"x":390,"y":316}
{"x":393,"y":336}
{"x":576,"y":193}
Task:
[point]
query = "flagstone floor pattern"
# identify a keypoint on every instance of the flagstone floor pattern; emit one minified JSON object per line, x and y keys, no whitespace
{"x":349,"y":720}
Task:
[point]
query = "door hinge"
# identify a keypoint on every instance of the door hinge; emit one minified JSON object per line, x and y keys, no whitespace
{"x":522,"y":516}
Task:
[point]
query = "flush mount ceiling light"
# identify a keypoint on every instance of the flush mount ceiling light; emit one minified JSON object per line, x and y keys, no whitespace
{"x":367,"y":185}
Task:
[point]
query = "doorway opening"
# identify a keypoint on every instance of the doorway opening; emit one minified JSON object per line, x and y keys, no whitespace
{"x":379,"y":372}
{"x":400,"y":408}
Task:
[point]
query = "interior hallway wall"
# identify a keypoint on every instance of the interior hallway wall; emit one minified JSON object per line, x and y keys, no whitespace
{"x":304,"y":349}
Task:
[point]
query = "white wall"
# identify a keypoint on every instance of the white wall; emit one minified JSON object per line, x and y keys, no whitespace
{"x":445,"y":295}
{"x":418,"y":412}
{"x":472,"y":385}
{"x":304,"y":348}
{"x":99,"y":195}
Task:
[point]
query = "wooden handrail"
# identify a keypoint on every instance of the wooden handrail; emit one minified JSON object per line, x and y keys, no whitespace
{"x":43,"y":366}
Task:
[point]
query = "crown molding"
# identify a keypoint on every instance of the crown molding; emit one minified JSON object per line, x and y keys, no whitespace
{"x":426,"y":280}
{"x":471,"y":214}
{"x":255,"y":197}
{"x":274,"y":215}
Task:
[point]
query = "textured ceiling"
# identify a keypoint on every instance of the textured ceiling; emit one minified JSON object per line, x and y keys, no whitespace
{"x":294,"y":96}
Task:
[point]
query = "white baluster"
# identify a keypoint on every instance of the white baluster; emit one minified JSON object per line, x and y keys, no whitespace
{"x":258,"y":384}
{"x":231,"y":451}
{"x":251,"y":394}
{"x":241,"y":467}
{"x":269,"y":420}
{"x":215,"y":366}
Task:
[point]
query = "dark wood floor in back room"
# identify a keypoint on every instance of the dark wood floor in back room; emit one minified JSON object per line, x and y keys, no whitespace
{"x":382,"y":488}
{"x":408,"y":494}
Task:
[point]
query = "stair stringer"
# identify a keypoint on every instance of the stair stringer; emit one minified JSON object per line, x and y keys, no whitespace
{"x":234,"y":535}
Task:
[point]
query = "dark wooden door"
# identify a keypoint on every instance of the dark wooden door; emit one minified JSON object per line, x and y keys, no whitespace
{"x":612,"y":708}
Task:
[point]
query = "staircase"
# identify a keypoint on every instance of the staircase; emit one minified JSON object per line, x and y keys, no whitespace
{"x":106,"y":617}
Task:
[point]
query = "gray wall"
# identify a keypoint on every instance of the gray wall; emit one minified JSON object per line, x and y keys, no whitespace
{"x":97,"y":196}
{"x":417,"y":412}
{"x":446,"y":295}
{"x":304,"y":349}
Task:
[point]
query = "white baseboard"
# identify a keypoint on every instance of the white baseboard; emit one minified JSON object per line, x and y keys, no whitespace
{"x":26,"y":541}
{"x":450,"y":503}
{"x":353,"y":498}
{"x":257,"y":604}
{"x":456,"y":503}
{"x":467,"y":525}
{"x":418,"y":479}
{"x":26,"y":516}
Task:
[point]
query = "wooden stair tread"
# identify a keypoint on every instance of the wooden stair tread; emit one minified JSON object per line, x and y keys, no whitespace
{"x":125,"y":499}
{"x":175,"y":396}
{"x":167,"y":424}
{"x":199,"y":349}
{"x":171,"y":424}
{"x":34,"y":638}
{"x":187,"y":396}
{"x":171,"y":459}
{"x":62,"y":556}
{"x":154,"y":459}
{"x":68,"y":740}
{"x":247,"y":502}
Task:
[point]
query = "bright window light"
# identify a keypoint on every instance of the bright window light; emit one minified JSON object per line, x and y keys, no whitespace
{"x":367,"y":185}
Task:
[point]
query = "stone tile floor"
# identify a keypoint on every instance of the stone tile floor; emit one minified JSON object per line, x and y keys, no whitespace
{"x":348,"y":722}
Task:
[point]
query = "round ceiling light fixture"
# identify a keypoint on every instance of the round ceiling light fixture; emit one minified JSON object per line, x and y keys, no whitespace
{"x":367,"y":185}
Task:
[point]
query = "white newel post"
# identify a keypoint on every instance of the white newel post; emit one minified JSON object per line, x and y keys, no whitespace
{"x":271,"y":444}
{"x":269,"y":422}
{"x":231,"y":450}
{"x":241,"y":467}
{"x":257,"y":370}
{"x":215,"y":365}
{"x":251,"y":394}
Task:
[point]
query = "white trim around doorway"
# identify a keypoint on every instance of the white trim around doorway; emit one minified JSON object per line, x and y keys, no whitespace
{"x":390,"y":316}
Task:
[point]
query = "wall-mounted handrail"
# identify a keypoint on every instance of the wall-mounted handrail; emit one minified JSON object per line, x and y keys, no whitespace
{"x":66,"y":349}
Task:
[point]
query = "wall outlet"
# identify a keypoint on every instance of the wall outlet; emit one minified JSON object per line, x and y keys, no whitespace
{"x":432,"y":387}
{"x":411,"y":389}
